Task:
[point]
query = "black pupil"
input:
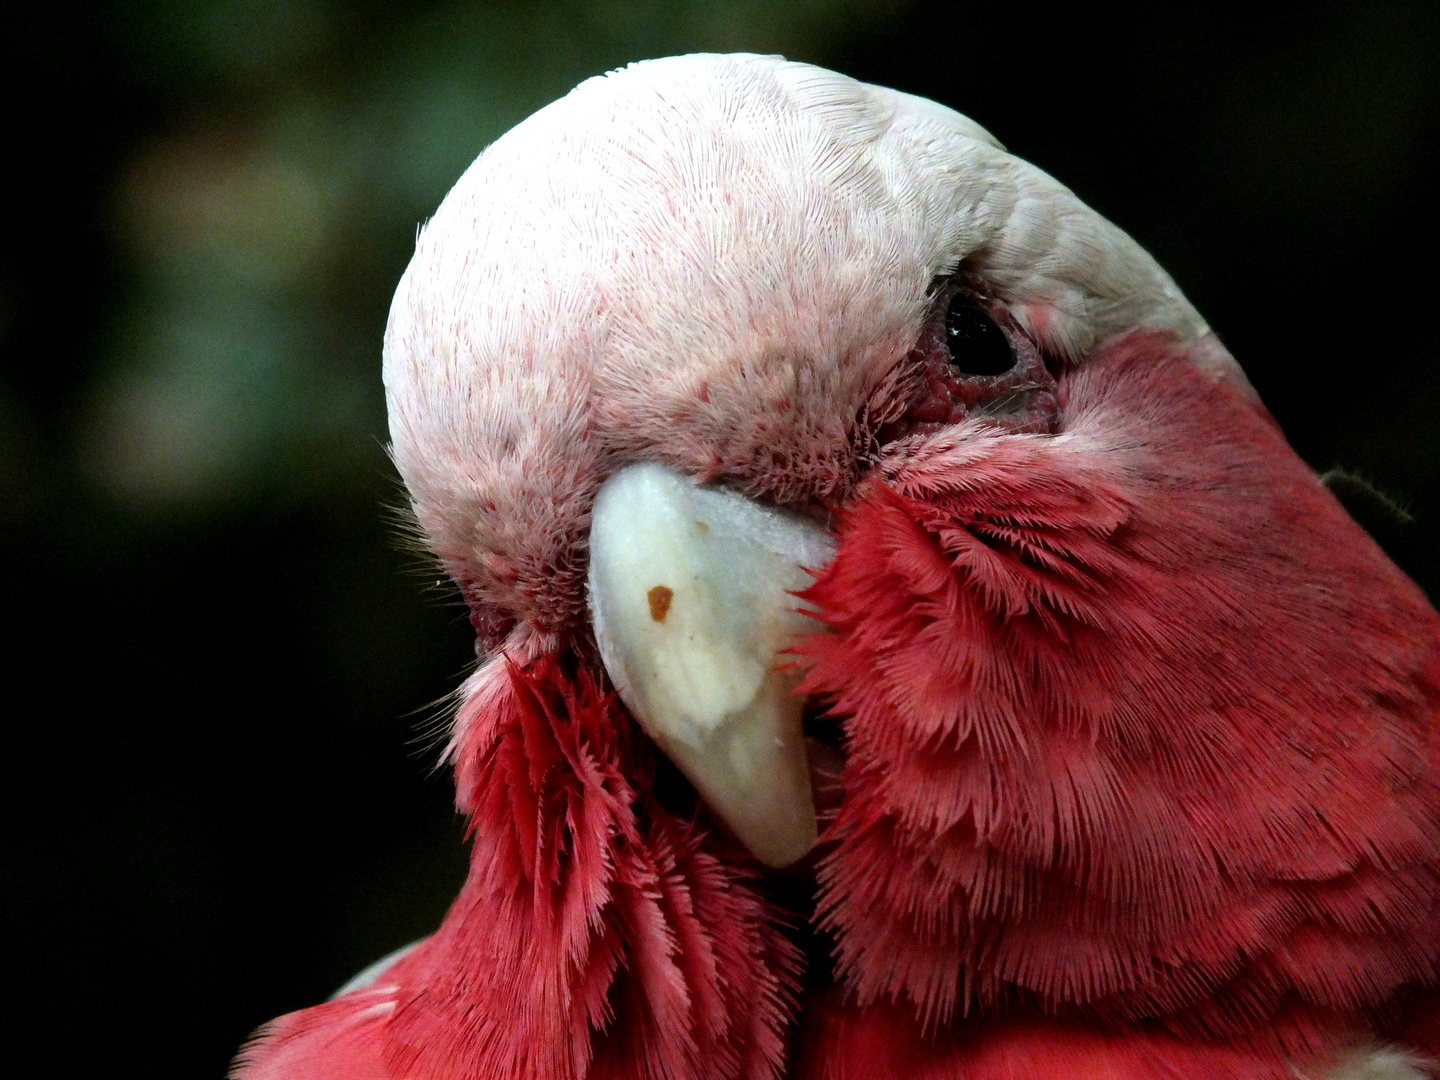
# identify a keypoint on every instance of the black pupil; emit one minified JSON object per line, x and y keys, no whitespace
{"x":977,"y":346}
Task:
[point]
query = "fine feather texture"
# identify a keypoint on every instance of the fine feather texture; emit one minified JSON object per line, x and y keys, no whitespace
{"x":715,"y":262}
{"x":1190,"y":861}
{"x":597,"y":935}
{"x":842,"y":1042}
{"x":1141,"y":729}
{"x":1141,"y":726}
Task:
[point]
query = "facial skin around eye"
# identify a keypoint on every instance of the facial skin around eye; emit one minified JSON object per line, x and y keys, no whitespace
{"x":1021,"y":398}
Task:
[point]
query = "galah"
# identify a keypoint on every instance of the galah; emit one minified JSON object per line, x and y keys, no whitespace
{"x":909,"y":647}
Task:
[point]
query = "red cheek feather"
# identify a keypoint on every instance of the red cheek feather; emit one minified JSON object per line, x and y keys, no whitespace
{"x":1142,"y":734}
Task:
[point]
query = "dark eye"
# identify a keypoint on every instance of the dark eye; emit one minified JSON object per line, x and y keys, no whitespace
{"x":977,"y":346}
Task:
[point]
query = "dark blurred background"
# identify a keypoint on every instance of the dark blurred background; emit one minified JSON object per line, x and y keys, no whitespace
{"x":221,"y":796}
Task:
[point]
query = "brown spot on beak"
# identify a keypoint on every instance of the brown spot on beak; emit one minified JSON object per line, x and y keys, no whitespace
{"x":660,"y":597}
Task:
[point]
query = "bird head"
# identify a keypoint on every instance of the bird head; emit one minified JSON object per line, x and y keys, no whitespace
{"x":781,"y":403}
{"x":717,"y":263}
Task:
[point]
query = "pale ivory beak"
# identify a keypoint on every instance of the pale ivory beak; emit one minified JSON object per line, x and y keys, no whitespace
{"x":690,"y":597}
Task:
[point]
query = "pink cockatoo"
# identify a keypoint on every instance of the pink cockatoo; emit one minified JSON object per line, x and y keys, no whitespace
{"x":910,"y":649}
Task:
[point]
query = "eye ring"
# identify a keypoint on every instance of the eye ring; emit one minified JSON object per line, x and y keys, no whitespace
{"x":977,"y":345}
